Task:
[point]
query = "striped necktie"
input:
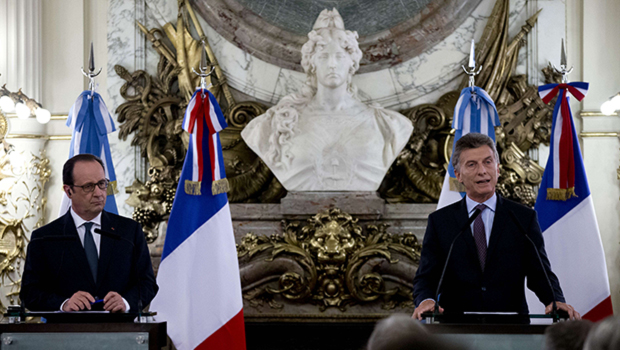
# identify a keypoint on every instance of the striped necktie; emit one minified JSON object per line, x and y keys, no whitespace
{"x":480,"y":236}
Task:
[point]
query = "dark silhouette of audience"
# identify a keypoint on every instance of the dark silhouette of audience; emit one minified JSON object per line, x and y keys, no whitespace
{"x":605,"y":335}
{"x":569,"y":335}
{"x":401,"y":332}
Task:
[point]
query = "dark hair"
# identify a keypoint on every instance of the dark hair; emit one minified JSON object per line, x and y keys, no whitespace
{"x":471,"y":141}
{"x":67,"y":169}
{"x":605,"y":335}
{"x":569,"y":335}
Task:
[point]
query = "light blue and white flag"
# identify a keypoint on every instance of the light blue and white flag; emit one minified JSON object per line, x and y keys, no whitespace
{"x":91,"y":122}
{"x":474,"y":112}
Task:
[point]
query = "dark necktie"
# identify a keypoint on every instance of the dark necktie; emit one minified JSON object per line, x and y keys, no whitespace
{"x":480,"y":236}
{"x":91,"y":249}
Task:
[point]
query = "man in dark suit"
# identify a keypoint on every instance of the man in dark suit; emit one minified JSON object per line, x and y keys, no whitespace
{"x":69,"y":265}
{"x":492,"y":257}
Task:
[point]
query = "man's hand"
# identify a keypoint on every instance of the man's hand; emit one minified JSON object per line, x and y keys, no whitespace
{"x":113,"y":302}
{"x":572,"y":313}
{"x":426,"y":305}
{"x":78,"y":301}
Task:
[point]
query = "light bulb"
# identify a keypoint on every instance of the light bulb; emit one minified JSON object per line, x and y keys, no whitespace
{"x":43,"y":115}
{"x":22,"y":111}
{"x":6,"y":104}
{"x":607,"y":108}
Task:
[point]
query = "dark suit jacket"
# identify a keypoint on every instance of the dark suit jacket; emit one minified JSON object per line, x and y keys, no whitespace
{"x":510,"y":259}
{"x":56,"y":265}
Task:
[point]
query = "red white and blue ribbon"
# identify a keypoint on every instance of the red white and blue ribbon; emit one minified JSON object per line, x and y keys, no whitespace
{"x":91,"y":122}
{"x":203,"y":121}
{"x":562,"y":143}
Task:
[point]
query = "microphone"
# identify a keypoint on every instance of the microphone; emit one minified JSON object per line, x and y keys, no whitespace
{"x":445,"y":266}
{"x":113,"y":236}
{"x":121,"y":238}
{"x":554,"y":309}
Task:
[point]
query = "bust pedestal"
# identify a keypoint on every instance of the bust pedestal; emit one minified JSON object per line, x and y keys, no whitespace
{"x":332,"y":256}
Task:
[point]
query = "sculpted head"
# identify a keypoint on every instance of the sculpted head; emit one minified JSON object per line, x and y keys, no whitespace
{"x":332,"y":54}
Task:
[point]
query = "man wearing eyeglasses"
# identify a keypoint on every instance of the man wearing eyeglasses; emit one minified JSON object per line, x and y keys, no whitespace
{"x":88,"y":258}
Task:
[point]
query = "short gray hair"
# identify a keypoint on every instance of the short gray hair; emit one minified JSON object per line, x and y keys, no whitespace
{"x":569,"y":335}
{"x":605,"y":335}
{"x":400,"y":332}
{"x":471,"y":141}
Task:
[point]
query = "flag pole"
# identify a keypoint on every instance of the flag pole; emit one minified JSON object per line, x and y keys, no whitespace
{"x":91,"y":70}
{"x":203,"y":68}
{"x":563,"y":71}
{"x":472,"y":67}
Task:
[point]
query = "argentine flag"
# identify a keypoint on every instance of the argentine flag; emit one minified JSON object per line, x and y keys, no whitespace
{"x":566,"y":215}
{"x":474,"y":112}
{"x":91,"y":122}
{"x":199,"y":284}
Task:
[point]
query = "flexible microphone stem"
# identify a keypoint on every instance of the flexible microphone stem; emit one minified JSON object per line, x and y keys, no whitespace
{"x":554,"y":308}
{"x":445,"y":266}
{"x":135,"y":263}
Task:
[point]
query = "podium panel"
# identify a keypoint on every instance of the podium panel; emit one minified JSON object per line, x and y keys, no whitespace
{"x":77,"y":341}
{"x":139,"y":336}
{"x":497,"y":341}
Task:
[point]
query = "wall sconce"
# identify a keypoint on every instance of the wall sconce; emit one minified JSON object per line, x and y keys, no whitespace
{"x":610,"y":106}
{"x":22,"y":105}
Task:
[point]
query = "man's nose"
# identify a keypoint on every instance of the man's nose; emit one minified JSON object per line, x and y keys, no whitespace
{"x":99,"y":192}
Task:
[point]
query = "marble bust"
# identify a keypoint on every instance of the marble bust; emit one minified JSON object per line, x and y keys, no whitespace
{"x":324,"y":138}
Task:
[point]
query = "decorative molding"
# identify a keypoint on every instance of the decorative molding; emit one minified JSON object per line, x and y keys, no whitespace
{"x":43,"y":137}
{"x":54,"y":116}
{"x":596,"y":114}
{"x":598,"y":134}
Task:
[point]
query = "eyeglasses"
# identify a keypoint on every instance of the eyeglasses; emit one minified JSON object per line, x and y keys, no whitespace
{"x":89,"y":187}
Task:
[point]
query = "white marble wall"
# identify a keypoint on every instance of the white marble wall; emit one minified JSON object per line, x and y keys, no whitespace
{"x":422,"y":79}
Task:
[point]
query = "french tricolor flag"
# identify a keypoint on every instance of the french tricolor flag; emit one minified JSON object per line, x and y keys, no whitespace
{"x":566,"y":215}
{"x":200,"y":288}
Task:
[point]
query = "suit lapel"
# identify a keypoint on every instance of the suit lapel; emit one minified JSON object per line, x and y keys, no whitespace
{"x":106,"y":249}
{"x":76,"y":248}
{"x":461,"y":218}
{"x":497,"y":230}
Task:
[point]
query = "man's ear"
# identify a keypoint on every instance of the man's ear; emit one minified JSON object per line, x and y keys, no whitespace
{"x":67,"y":190}
{"x":458,"y":176}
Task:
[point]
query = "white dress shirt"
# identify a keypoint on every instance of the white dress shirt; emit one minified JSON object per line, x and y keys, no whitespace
{"x":488,"y":215}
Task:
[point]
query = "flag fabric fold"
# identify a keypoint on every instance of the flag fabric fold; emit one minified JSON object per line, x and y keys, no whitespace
{"x":91,"y":122}
{"x":474,"y":112}
{"x":568,"y":220}
{"x":200,"y":288}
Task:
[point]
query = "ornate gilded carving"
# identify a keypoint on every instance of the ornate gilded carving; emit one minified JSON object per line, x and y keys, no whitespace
{"x":22,"y":197}
{"x":329,"y":262}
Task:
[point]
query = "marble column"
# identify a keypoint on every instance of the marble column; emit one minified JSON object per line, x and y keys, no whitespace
{"x":20,"y":46}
